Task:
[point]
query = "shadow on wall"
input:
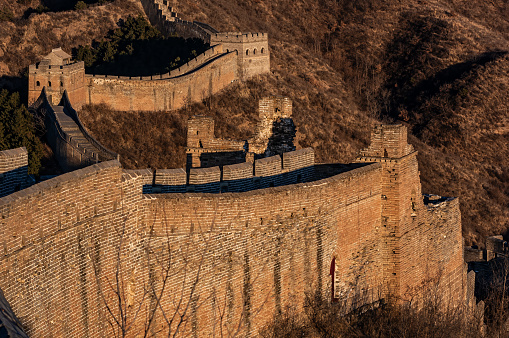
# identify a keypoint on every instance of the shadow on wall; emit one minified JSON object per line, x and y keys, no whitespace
{"x":283,"y":135}
{"x":303,"y":175}
{"x":13,"y":180}
{"x":220,"y":158}
{"x":147,"y":57}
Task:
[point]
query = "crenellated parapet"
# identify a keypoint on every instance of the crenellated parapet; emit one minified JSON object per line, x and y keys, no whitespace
{"x":274,"y":135}
{"x":260,"y":234}
{"x":71,"y":143}
{"x":290,"y":168}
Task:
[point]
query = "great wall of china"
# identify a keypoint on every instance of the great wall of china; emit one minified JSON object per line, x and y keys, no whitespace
{"x":245,"y":230}
{"x":231,"y":57}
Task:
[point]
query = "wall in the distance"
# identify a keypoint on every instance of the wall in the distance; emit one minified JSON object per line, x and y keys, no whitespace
{"x":159,"y":94}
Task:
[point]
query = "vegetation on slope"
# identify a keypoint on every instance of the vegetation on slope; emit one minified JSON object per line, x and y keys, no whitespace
{"x":136,"y":42}
{"x":17,"y":129}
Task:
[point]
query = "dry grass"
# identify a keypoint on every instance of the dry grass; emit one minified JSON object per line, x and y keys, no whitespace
{"x":345,"y":65}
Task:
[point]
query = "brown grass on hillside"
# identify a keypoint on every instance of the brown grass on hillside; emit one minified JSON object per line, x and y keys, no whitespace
{"x":23,"y":41}
{"x":438,"y":66}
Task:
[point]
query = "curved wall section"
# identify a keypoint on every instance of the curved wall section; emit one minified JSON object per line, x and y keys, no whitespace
{"x":73,"y":146}
{"x":258,"y":250}
{"x":194,"y":81}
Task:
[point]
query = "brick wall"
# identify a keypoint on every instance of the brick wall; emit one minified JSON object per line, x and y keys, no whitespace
{"x":13,"y":170}
{"x":197,"y":81}
{"x":407,"y":227}
{"x":254,"y":250}
{"x":226,"y":261}
{"x":267,"y":247}
{"x":205,"y":150}
{"x":252,"y":50}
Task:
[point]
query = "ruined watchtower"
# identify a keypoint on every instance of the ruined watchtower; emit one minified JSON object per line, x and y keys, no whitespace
{"x":56,"y":72}
{"x":252,"y":50}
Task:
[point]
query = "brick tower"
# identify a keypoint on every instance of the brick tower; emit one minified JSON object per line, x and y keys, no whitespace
{"x":402,"y":205}
{"x":252,"y":50}
{"x":57,"y":73}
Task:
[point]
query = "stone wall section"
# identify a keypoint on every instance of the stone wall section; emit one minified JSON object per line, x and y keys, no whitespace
{"x":165,"y":18}
{"x":274,"y":135}
{"x":201,"y":77}
{"x":231,"y":259}
{"x":205,"y":150}
{"x":252,"y":50}
{"x":71,"y":143}
{"x":272,"y":244}
{"x":13,"y":170}
{"x":407,"y":227}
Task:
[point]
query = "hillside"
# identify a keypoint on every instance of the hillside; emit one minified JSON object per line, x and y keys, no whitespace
{"x":440,"y":67}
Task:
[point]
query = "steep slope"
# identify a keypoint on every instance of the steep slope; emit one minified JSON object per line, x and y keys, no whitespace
{"x":27,"y":36}
{"x":438,"y":66}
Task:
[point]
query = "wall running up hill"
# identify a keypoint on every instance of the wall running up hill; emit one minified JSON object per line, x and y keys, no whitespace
{"x":199,"y":78}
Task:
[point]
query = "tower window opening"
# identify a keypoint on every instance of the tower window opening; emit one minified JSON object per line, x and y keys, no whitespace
{"x":247,"y":51}
{"x":61,"y":84}
{"x":38,"y":83}
{"x":49,"y":83}
{"x":254,"y":51}
{"x":263,"y":50}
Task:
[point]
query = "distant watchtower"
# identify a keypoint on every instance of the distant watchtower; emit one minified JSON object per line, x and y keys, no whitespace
{"x":57,"y":73}
{"x":252,"y":50}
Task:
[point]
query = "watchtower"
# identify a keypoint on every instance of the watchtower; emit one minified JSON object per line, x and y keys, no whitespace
{"x":57,"y":73}
{"x":252,"y":50}
{"x":402,"y":204}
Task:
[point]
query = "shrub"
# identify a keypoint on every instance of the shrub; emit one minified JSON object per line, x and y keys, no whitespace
{"x":80,"y":5}
{"x":17,"y":129}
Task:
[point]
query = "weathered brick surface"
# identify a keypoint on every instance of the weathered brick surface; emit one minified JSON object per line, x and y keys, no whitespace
{"x":235,"y":259}
{"x":71,"y":143}
{"x":57,"y":78}
{"x":205,"y":150}
{"x":13,"y":170}
{"x":200,"y":78}
{"x":408,"y":227}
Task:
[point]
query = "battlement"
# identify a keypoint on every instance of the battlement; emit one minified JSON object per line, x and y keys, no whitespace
{"x":362,"y":219}
{"x":189,"y":66}
{"x":238,"y":37}
{"x":46,"y":67}
{"x":294,"y":167}
{"x":273,"y":107}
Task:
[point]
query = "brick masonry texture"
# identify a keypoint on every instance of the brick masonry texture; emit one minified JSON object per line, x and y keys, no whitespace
{"x":274,"y":135}
{"x":13,"y":170}
{"x":237,"y":258}
{"x":232,"y":57}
